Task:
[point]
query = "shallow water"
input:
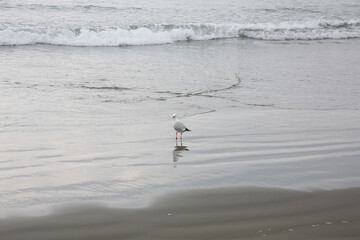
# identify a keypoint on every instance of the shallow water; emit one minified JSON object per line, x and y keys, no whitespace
{"x":94,"y":123}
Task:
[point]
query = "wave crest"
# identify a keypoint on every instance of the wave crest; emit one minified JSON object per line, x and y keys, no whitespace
{"x":164,"y":34}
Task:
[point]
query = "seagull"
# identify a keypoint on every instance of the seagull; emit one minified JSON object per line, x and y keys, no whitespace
{"x":179,"y":126}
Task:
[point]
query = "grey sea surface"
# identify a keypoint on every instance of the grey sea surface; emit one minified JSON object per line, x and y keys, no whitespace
{"x":82,"y":124}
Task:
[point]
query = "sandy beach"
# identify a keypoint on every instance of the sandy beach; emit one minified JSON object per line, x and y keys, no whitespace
{"x":313,"y":162}
{"x":226,"y":213}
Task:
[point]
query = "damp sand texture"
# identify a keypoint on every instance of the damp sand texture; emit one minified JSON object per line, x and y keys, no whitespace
{"x":227,"y":213}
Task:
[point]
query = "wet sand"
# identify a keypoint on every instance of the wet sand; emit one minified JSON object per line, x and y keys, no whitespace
{"x":223,"y":213}
{"x":272,"y":115}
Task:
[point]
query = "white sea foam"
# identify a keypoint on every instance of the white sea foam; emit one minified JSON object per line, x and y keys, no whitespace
{"x":164,"y":34}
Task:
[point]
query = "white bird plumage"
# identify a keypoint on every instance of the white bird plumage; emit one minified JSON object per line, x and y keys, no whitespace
{"x":179,"y":126}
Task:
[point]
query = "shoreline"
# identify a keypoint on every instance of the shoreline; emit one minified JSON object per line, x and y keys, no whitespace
{"x":221,"y":213}
{"x":310,"y":151}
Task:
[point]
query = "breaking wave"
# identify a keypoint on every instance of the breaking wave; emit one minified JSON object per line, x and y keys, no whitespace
{"x":165,"y":34}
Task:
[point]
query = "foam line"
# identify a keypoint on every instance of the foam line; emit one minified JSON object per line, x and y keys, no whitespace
{"x":165,"y":34}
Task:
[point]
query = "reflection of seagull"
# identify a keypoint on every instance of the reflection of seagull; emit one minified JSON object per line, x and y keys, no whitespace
{"x":179,"y":126}
{"x":177,"y":152}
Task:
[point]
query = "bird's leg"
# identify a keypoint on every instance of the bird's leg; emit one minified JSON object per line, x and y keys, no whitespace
{"x":181,"y":136}
{"x":176,"y":135}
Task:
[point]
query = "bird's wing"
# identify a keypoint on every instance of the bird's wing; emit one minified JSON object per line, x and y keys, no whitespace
{"x":179,"y":126}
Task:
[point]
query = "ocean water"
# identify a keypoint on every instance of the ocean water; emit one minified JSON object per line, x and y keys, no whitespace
{"x":270,"y":90}
{"x":119,"y":23}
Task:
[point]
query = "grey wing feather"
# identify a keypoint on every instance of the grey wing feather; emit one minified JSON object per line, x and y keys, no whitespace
{"x":179,"y":127}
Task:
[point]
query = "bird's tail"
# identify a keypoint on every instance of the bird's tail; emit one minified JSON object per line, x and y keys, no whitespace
{"x":187,"y":130}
